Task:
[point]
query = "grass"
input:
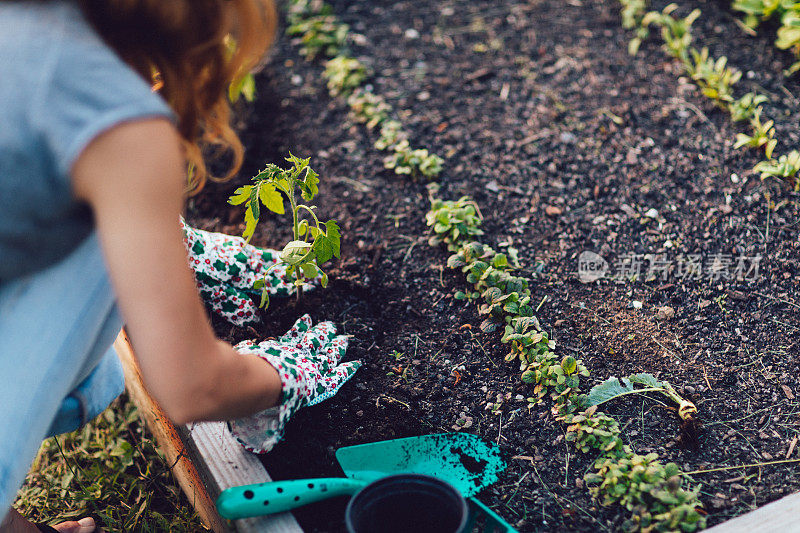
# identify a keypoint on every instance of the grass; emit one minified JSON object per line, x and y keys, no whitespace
{"x":110,"y":469}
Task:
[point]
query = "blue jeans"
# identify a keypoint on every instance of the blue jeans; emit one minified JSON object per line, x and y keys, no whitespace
{"x":57,"y":367}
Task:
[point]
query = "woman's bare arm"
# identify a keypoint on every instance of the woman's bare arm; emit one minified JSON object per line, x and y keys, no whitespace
{"x":133,"y":178}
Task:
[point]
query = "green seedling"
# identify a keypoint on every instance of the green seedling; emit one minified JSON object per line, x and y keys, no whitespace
{"x":789,"y":35}
{"x":756,"y":11}
{"x":368,"y":108}
{"x":391,"y":134}
{"x":763,"y":135}
{"x":454,"y":222}
{"x":632,"y":13}
{"x":676,"y":32}
{"x":787,"y":168}
{"x":592,"y":430}
{"x":413,"y":162}
{"x":319,"y":35}
{"x":344,"y":74}
{"x":715,"y":78}
{"x":745,"y":107}
{"x":314,"y":243}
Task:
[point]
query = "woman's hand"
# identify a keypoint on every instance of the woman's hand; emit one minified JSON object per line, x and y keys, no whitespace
{"x":308,"y":362}
{"x":226,"y":268}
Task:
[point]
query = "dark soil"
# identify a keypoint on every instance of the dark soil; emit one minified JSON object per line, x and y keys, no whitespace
{"x":521,"y":99}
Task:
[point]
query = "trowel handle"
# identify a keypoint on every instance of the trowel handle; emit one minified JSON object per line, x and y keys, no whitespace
{"x":280,"y":496}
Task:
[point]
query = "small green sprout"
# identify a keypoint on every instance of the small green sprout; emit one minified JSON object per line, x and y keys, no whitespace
{"x":369,"y":108}
{"x":789,"y":35}
{"x":413,"y":162}
{"x":319,"y":35}
{"x":314,"y":243}
{"x":676,"y":32}
{"x":714,"y":77}
{"x":344,"y":74}
{"x":453,"y":222}
{"x":763,"y":135}
{"x":745,"y":107}
{"x":786,"y":167}
{"x":391,"y":134}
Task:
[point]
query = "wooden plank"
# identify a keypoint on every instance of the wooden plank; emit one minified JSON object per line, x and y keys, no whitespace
{"x":206,"y":458}
{"x":781,"y":516}
{"x":223,"y":463}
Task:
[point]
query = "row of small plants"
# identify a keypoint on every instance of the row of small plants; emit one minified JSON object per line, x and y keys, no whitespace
{"x":716,"y":79}
{"x":652,"y":492}
{"x":788,"y":14}
{"x":321,"y":35}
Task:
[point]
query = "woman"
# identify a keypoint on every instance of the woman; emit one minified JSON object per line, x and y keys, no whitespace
{"x":92,"y":183}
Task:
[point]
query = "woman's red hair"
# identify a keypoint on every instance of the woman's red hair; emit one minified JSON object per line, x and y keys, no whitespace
{"x":184,"y":44}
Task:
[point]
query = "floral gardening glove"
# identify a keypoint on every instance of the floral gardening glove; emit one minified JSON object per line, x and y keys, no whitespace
{"x":308,"y":361}
{"x":226,"y":268}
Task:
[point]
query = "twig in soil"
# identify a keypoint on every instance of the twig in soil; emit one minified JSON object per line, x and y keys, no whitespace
{"x":541,"y":303}
{"x":706,"y":378}
{"x":392,"y":400}
{"x":751,"y":465}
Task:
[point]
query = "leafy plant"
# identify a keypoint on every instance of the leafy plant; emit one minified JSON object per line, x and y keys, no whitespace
{"x":454,"y":222}
{"x":652,"y":491}
{"x":319,"y":35}
{"x":593,"y":430}
{"x":714,"y":77}
{"x":745,"y":108}
{"x":789,"y":35}
{"x":756,"y":10}
{"x":369,"y":108}
{"x":787,"y":168}
{"x":344,"y":74}
{"x":314,"y":243}
{"x":763,"y":135}
{"x":413,"y":162}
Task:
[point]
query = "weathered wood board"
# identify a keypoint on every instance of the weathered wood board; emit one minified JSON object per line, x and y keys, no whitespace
{"x":206,"y":458}
{"x":780,"y":516}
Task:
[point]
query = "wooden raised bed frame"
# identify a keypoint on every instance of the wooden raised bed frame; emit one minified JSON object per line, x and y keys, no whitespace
{"x":206,"y":460}
{"x":205,"y":457}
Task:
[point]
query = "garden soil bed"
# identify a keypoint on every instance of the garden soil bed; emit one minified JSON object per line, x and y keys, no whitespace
{"x":567,"y":144}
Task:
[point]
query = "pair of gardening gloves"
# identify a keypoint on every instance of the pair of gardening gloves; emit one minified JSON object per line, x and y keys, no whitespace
{"x":307,"y":358}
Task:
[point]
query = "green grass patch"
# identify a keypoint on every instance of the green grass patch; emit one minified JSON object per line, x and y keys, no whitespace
{"x":110,"y":469}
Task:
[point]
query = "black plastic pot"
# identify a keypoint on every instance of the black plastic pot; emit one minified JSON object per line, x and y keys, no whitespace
{"x":407,"y":503}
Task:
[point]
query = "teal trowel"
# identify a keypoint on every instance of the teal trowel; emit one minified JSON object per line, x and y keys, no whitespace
{"x":465,"y":461}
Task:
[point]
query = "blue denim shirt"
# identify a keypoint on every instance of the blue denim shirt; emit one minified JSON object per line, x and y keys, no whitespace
{"x":60,"y":87}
